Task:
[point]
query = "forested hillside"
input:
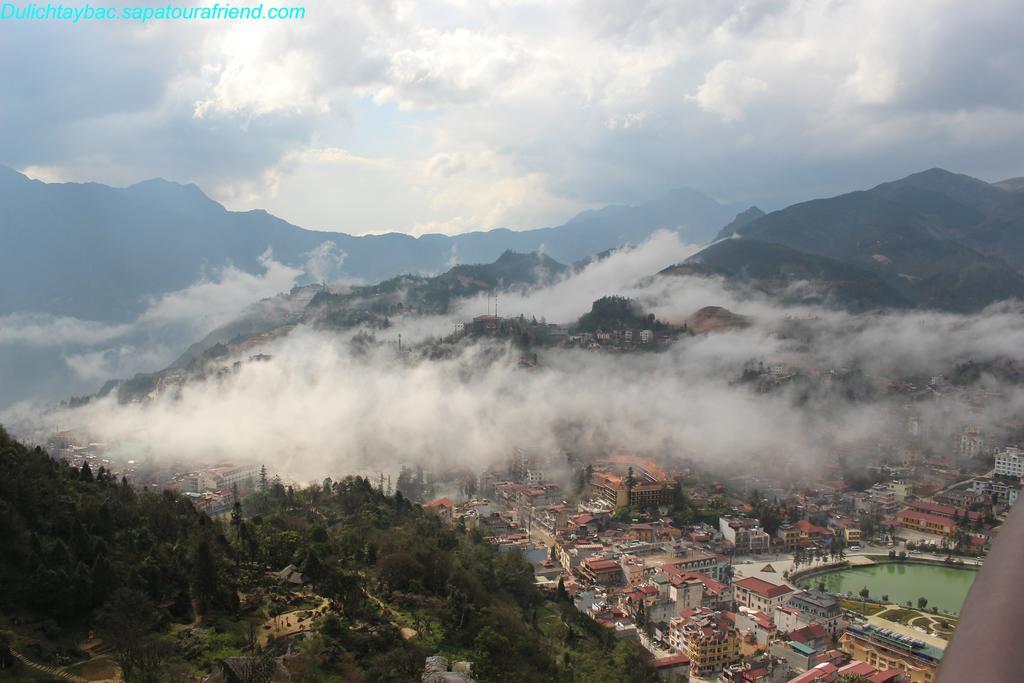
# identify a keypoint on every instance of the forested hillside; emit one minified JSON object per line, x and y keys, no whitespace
{"x":98,"y":577}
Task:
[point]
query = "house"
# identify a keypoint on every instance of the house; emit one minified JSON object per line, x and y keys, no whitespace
{"x":605,"y":572}
{"x":443,"y":508}
{"x":814,"y":636}
{"x":672,"y":669}
{"x":744,"y":534}
{"x":760,"y":595}
{"x":292,"y":575}
{"x":815,"y":607}
{"x":811,"y":533}
{"x":787,"y":537}
{"x":758,"y":626}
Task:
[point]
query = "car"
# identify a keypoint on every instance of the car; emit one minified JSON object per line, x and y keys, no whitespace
{"x":915,"y":552}
{"x":854,"y":547}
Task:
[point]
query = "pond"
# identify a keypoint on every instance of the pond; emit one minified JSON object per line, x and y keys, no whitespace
{"x":945,"y":587}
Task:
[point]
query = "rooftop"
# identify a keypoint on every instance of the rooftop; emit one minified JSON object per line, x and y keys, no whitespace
{"x":762,"y":587}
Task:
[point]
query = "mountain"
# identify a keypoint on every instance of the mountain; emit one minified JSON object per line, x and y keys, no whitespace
{"x":791,"y":276}
{"x":346,"y":307}
{"x":1011,"y":184}
{"x":939,"y":239}
{"x":712,"y":319}
{"x":100,"y":253}
{"x":744,"y":217}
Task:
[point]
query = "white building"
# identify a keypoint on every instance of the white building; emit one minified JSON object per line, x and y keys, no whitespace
{"x":760,"y":595}
{"x":1010,"y":462}
{"x":646,"y":336}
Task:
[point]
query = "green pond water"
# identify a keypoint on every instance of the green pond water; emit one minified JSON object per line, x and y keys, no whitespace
{"x":945,"y":587}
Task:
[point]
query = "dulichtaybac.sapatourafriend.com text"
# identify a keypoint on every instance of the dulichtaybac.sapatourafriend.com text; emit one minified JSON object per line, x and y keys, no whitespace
{"x":34,"y":11}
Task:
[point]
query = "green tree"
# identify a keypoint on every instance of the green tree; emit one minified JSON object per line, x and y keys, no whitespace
{"x":126,"y":623}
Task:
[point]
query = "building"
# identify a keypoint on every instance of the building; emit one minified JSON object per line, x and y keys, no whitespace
{"x":760,"y":595}
{"x":646,"y":336}
{"x":486,"y":324}
{"x":744,"y":534}
{"x":649,"y":485}
{"x":812,"y":533}
{"x":707,"y":638}
{"x":602,"y":571}
{"x":1010,"y":462}
{"x":226,"y":477}
{"x":900,"y":489}
{"x":884,"y":649}
{"x":926,"y":522}
{"x":672,"y":669}
{"x":949,"y":511}
{"x":758,"y":627}
{"x":787,"y":537}
{"x":849,"y":532}
{"x":690,"y":560}
{"x":443,"y":508}
{"x":816,"y":607}
{"x":972,"y":443}
{"x":998,"y":489}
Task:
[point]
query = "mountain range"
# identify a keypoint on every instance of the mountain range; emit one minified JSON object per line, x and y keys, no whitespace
{"x":934,"y":239}
{"x":100,"y":253}
{"x":938,"y":239}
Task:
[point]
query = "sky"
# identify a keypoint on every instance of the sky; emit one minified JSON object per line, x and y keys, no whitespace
{"x":472,"y":114}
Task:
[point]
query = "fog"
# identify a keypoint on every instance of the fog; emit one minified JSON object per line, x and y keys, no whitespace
{"x":325,"y":406}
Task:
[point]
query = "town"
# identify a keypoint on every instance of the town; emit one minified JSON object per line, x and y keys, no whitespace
{"x":729,"y":579}
{"x":730,"y":576}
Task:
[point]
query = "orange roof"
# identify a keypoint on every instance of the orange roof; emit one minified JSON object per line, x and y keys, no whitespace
{"x":669,"y":662}
{"x":440,"y":502}
{"x":762,"y":587}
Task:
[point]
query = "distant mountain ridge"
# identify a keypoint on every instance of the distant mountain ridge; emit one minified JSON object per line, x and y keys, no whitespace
{"x":371,"y":305}
{"x":791,"y":276}
{"x":96,"y":252}
{"x":941,"y":240}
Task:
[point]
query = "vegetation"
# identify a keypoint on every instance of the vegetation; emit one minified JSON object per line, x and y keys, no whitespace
{"x":617,"y":313}
{"x":171,"y":592}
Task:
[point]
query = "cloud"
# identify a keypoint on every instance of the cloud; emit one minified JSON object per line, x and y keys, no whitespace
{"x":323,"y":264}
{"x":327,"y":405}
{"x":213,"y":302}
{"x":48,"y":357}
{"x":519,"y":114}
{"x":726,"y":91}
{"x":33,"y":329}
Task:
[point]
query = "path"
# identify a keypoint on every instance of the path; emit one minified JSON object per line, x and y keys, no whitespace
{"x":282,"y":625}
{"x":48,"y":670}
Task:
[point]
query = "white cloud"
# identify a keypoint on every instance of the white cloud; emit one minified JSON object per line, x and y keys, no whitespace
{"x":530,"y":110}
{"x":726,"y":91}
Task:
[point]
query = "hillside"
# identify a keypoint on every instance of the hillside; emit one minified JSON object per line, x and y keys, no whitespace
{"x":344,"y":308}
{"x":937,"y":238}
{"x":104,"y":579}
{"x":1011,"y":184}
{"x":99,"y":253}
{"x":791,"y":276}
{"x":711,"y":319}
{"x":612,"y":313}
